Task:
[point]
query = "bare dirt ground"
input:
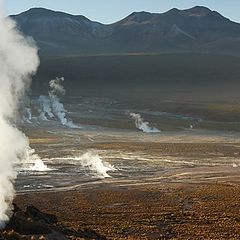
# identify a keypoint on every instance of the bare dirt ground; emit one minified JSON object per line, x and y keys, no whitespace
{"x":163,"y":211}
{"x":200,"y":202}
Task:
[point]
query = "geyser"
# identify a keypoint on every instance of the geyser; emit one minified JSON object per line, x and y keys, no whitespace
{"x":51,"y":107}
{"x":33,"y":162}
{"x":143,"y":125}
{"x":94,"y":163}
{"x":18,"y":62}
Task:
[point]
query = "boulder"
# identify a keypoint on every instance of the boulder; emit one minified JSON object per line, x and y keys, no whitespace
{"x":37,"y":215}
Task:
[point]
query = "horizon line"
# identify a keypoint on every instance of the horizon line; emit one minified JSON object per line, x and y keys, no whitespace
{"x":142,"y":11}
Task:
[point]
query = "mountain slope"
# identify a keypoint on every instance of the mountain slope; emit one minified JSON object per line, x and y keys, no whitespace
{"x":195,"y":29}
{"x":190,"y":29}
{"x":60,"y":33}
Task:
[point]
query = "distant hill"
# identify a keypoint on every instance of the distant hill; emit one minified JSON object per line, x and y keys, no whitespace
{"x":193,"y":30}
{"x":183,"y":71}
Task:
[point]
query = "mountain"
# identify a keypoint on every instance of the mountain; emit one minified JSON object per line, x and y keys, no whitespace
{"x":60,"y":33}
{"x":193,"y":30}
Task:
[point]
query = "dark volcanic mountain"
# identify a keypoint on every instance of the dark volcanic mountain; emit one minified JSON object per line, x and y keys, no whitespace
{"x":193,"y":30}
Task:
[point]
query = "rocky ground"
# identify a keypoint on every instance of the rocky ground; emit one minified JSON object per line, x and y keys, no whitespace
{"x":34,"y":224}
{"x":200,"y":202}
{"x":163,"y":211}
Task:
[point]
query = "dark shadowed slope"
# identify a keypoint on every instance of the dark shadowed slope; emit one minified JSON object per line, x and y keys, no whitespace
{"x":133,"y":72}
{"x":196,"y":29}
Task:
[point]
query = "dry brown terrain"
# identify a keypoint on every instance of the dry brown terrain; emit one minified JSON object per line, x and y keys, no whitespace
{"x":165,"y":211}
{"x":189,"y":202}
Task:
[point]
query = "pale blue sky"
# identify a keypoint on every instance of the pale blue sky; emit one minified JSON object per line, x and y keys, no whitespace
{"x":108,"y":11}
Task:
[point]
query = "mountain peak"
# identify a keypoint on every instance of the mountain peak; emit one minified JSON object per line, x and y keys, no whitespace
{"x":173,"y":11}
{"x":141,"y":13}
{"x":40,"y":12}
{"x":201,"y":11}
{"x":139,"y":17}
{"x":43,"y":13}
{"x":194,"y":11}
{"x":198,"y":11}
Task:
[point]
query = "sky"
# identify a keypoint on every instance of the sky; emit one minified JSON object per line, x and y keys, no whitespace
{"x":109,"y":11}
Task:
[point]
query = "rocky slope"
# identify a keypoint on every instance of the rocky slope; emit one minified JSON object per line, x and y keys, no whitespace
{"x":34,"y":224}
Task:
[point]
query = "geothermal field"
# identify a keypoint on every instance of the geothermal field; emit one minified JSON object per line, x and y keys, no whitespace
{"x":93,"y":162}
{"x":94,"y":147}
{"x":98,"y":141}
{"x":104,"y":167}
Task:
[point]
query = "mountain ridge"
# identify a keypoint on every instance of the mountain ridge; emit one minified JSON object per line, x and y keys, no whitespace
{"x":47,"y":10}
{"x":198,"y":29}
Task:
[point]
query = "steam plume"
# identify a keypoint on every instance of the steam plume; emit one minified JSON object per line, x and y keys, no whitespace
{"x":93,"y":161}
{"x":18,"y":61}
{"x":143,"y":125}
{"x":45,"y":107}
{"x":51,"y":106}
{"x":33,"y":162}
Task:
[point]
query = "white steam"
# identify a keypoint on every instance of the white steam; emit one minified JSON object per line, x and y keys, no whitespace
{"x":39,"y":166}
{"x":234,"y":165}
{"x":45,"y":108}
{"x":51,"y":107}
{"x":94,"y":163}
{"x":18,"y":61}
{"x":143,"y":125}
{"x":33,"y":162}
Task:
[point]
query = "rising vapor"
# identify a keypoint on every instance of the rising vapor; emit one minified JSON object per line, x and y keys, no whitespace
{"x":18,"y":62}
{"x":51,"y":106}
{"x":143,"y":125}
{"x":94,"y":163}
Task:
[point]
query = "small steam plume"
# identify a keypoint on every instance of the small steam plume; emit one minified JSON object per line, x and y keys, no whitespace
{"x":45,"y":108}
{"x":143,"y":125}
{"x":33,"y":162}
{"x":18,"y":62}
{"x":39,"y":166}
{"x":27,"y":115}
{"x":93,"y":162}
{"x":51,"y":107}
{"x":57,"y":87}
{"x":58,"y":109}
{"x":234,"y":165}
